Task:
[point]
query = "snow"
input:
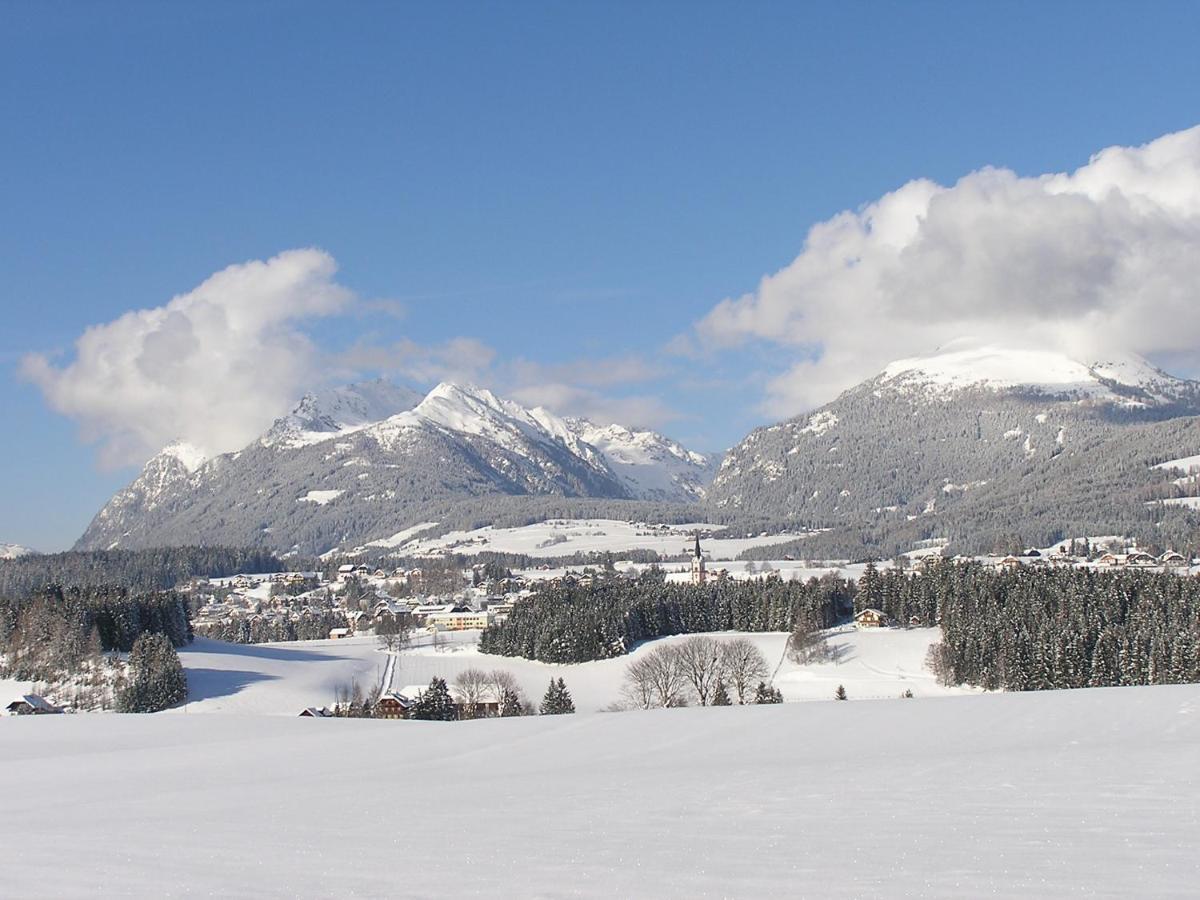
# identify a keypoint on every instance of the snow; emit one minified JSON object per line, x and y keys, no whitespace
{"x":1072,"y":793}
{"x":651,"y":465}
{"x":820,"y":423}
{"x":1189,"y":502}
{"x":282,"y":679}
{"x":320,"y":497}
{"x":564,"y":537}
{"x":189,"y":455}
{"x":1184,"y":465}
{"x":963,"y":364}
{"x":13,"y":551}
{"x":403,"y":535}
{"x":340,"y":411}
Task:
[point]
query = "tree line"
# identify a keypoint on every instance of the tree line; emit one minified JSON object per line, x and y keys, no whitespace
{"x":564,"y":622}
{"x":155,"y":569}
{"x":1045,"y":628}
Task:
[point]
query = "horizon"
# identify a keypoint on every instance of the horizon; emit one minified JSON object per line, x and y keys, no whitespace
{"x":697,"y":224}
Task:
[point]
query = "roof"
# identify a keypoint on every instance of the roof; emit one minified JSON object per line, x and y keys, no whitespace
{"x":871,"y":611}
{"x":36,"y":702}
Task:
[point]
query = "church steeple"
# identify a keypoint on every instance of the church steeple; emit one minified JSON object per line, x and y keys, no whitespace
{"x":698,"y":555}
{"x":699,"y":576}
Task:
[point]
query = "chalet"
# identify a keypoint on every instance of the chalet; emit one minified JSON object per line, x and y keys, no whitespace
{"x":870,"y":618}
{"x":1138,"y":558}
{"x":1112,"y":559}
{"x":395,"y":705}
{"x":313,"y":712}
{"x":1009,"y":563}
{"x":345,"y":571}
{"x":360,"y":621}
{"x":31,"y":705}
{"x":1171,"y":558}
{"x":337,"y":634}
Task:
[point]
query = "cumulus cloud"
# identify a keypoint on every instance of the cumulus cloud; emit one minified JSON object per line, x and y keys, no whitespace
{"x":212,"y":367}
{"x":1106,"y":258}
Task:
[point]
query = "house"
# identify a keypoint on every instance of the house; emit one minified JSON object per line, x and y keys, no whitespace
{"x":344,"y":572}
{"x":31,"y":705}
{"x":870,"y":618}
{"x":1138,"y":558}
{"x":313,"y":712}
{"x":395,"y":705}
{"x":336,"y":634}
{"x":1112,"y":559}
{"x":1171,"y":558}
{"x":1009,"y":563}
{"x":458,"y":620}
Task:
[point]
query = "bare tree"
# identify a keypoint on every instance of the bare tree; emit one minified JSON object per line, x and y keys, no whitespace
{"x":501,"y":680}
{"x":700,"y":661}
{"x":656,"y":679}
{"x":472,"y":685}
{"x":744,"y":666}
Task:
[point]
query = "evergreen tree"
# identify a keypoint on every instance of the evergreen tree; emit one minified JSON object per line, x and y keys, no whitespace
{"x":510,"y":704}
{"x":557,"y":700}
{"x":156,"y":678}
{"x":767,"y":694}
{"x":721,"y":696}
{"x":435,"y":703}
{"x":840,"y":693}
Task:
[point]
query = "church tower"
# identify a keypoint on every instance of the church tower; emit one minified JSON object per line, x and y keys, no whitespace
{"x":698,"y":573}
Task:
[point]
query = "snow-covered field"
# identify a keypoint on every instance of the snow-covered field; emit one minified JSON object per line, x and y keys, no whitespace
{"x":561,"y":537}
{"x":1055,"y":794}
{"x":283,"y":679}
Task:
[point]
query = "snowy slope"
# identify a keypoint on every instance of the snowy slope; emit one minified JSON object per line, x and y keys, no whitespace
{"x":338,"y":411}
{"x":1124,"y":380}
{"x":282,"y":679}
{"x":1054,"y":794}
{"x":12,"y":551}
{"x":564,"y":537}
{"x":652,"y":466}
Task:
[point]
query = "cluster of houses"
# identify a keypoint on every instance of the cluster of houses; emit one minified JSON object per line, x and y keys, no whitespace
{"x":399,"y":704}
{"x":1130,"y":557}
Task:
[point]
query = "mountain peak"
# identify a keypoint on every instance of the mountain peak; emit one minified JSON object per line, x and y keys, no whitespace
{"x":1124,"y":379}
{"x":320,"y":415}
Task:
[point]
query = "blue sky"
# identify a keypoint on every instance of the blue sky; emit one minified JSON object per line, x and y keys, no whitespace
{"x":572,"y":186}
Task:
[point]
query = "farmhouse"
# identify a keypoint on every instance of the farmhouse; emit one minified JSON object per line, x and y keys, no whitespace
{"x":313,"y":712}
{"x":31,"y":705}
{"x":870,"y":618}
{"x":336,"y":634}
{"x":395,"y":705}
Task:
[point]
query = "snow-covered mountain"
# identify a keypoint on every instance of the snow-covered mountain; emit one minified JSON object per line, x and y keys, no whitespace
{"x":976,"y":445}
{"x":362,"y":462}
{"x":651,"y":466}
{"x":1122,"y":380}
{"x":325,"y":414}
{"x":13,"y":551}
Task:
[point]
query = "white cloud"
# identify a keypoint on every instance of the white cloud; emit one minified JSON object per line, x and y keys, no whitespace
{"x":212,"y":367}
{"x":1105,"y":258}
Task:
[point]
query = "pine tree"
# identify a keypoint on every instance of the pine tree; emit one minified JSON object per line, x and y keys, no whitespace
{"x":435,"y":703}
{"x":156,"y":678}
{"x":767,"y":694}
{"x":510,"y":704}
{"x":721,"y":696}
{"x":558,"y":700}
{"x":840,"y":693}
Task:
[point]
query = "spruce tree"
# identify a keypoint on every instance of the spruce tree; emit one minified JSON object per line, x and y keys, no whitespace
{"x":435,"y":703}
{"x":840,"y":693}
{"x":767,"y":694}
{"x":721,"y":696}
{"x":557,"y":700}
{"x":156,"y":678}
{"x":510,"y":704}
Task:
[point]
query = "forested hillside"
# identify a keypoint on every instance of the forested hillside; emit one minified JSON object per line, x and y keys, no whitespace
{"x":566,"y":622}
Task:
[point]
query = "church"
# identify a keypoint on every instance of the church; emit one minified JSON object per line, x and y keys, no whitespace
{"x":698,"y":573}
